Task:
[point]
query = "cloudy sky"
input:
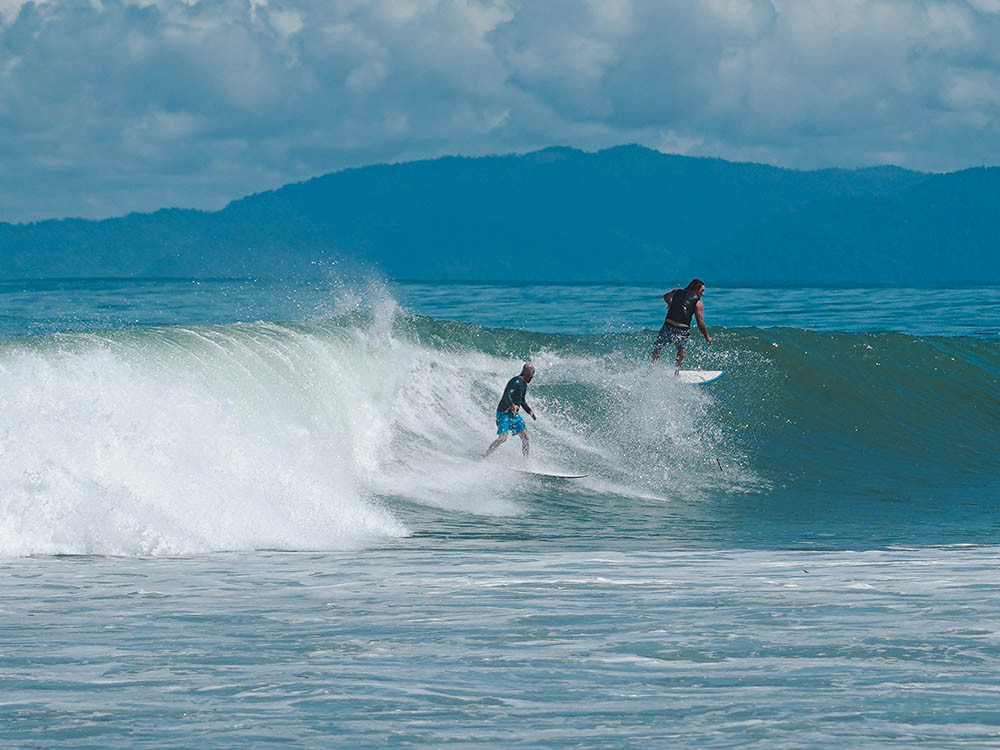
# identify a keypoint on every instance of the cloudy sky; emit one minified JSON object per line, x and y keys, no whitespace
{"x":111,"y":106}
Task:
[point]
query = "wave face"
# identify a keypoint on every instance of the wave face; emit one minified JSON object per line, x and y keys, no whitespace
{"x":342,"y":432}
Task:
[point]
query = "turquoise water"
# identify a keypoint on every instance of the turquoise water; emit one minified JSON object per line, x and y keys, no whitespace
{"x":235,"y":513}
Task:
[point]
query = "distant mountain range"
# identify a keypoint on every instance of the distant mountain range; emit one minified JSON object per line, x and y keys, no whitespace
{"x":623,"y":214}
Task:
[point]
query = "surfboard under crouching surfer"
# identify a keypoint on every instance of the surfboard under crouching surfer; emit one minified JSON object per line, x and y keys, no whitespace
{"x":682,"y":305}
{"x":511,"y":402}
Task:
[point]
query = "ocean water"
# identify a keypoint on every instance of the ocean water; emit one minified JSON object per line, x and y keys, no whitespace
{"x":237,"y":513}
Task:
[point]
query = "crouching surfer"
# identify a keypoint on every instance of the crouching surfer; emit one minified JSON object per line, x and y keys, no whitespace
{"x":682,"y":305}
{"x":512,"y":401}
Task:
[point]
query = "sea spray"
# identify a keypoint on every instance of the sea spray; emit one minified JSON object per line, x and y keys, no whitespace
{"x":168,"y":441}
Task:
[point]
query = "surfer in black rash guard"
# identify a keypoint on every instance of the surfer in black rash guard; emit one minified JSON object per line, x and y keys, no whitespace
{"x":682,"y":304}
{"x":512,"y":401}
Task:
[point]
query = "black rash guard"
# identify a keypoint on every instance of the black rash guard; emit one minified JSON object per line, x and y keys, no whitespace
{"x":513,"y":394}
{"x":682,"y":306}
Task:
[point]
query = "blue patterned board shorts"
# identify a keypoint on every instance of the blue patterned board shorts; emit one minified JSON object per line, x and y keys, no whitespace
{"x":507,"y":422}
{"x":673,"y":335}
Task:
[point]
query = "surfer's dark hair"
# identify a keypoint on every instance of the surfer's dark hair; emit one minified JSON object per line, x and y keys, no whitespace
{"x":696,"y":283}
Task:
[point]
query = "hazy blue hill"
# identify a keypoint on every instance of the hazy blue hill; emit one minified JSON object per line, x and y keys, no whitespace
{"x":626,"y":213}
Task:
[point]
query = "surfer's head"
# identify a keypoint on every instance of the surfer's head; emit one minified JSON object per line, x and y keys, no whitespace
{"x":527,"y":372}
{"x":697,"y":285}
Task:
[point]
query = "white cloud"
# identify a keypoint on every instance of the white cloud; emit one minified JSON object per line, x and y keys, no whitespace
{"x":137,"y":104}
{"x":10,"y":8}
{"x":986,"y":6}
{"x":366,"y":77}
{"x":286,"y":22}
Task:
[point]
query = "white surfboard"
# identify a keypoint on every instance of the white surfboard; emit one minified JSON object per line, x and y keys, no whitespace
{"x":699,"y":377}
{"x":550,"y":474}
